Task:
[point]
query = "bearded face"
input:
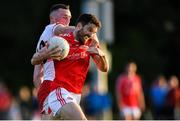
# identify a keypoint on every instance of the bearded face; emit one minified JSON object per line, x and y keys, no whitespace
{"x":86,"y":32}
{"x":81,"y":36}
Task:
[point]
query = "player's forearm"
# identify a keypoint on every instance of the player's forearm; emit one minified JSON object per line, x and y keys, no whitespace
{"x":142,"y":101}
{"x":61,"y":30}
{"x":37,"y":58}
{"x":68,"y":29}
{"x":101,"y":62}
{"x":37,"y":82}
{"x":37,"y":75}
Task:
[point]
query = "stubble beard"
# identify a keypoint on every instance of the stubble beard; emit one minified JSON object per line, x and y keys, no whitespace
{"x":80,"y":37}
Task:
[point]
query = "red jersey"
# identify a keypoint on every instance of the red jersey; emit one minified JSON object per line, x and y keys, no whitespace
{"x":129,"y":90}
{"x":70,"y":73}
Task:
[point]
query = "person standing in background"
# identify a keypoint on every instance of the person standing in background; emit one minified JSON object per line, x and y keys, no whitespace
{"x":129,"y":93}
{"x":158,"y":93}
{"x":5,"y":100}
{"x":172,"y":98}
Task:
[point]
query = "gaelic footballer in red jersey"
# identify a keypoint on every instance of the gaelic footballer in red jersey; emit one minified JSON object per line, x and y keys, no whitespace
{"x":71,"y":72}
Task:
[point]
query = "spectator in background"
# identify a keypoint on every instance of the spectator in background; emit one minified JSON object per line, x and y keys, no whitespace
{"x":14,"y":111}
{"x":172,"y":98}
{"x":158,"y":94}
{"x":25,"y":103}
{"x":129,"y":93}
{"x":5,"y":101}
{"x":35,"y":105}
{"x":94,"y":104}
{"x":177,"y":102}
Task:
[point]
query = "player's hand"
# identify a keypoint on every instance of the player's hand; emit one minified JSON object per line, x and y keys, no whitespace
{"x":58,"y":56}
{"x":94,"y":41}
{"x":48,"y":53}
{"x":84,"y":47}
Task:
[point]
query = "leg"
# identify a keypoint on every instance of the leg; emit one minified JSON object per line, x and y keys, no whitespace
{"x":64,"y":106}
{"x":70,"y":111}
{"x":45,"y":116}
{"x":128,"y":117}
{"x":127,"y":113}
{"x":136,"y":112}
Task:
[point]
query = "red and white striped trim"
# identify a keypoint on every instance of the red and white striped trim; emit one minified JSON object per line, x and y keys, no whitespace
{"x":59,"y":97}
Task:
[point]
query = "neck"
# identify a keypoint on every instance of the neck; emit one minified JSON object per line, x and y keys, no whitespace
{"x":74,"y":34}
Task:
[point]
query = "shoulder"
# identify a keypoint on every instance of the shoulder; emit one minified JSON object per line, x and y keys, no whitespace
{"x":47,"y":33}
{"x":138,"y":77}
{"x":48,"y":30}
{"x":50,"y":26}
{"x":58,"y":25}
{"x":45,"y":36}
{"x":121,"y":77}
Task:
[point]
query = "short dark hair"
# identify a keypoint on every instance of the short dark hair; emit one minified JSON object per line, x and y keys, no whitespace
{"x":88,"y":18}
{"x":57,"y":6}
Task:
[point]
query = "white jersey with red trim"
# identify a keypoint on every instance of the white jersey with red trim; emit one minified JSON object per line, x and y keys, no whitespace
{"x":48,"y":65}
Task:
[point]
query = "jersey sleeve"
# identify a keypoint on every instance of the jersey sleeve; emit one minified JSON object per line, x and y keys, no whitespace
{"x":45,"y":36}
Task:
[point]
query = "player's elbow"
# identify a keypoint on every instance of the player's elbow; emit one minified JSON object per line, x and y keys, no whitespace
{"x":104,"y":68}
{"x":33,"y":62}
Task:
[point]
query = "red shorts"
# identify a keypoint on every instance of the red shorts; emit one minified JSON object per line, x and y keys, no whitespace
{"x":43,"y":92}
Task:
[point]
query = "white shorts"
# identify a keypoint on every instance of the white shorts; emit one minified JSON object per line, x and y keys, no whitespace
{"x":57,"y":98}
{"x":133,"y":111}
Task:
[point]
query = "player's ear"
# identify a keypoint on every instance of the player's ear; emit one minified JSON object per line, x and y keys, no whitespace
{"x":79,"y":26}
{"x":52,"y":19}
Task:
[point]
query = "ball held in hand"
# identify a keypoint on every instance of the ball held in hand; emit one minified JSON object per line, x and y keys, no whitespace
{"x":62,"y":43}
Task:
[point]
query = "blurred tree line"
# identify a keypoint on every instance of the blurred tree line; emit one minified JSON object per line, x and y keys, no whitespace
{"x":146,"y":31}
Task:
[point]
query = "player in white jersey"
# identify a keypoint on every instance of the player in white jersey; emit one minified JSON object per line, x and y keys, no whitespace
{"x":60,"y":16}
